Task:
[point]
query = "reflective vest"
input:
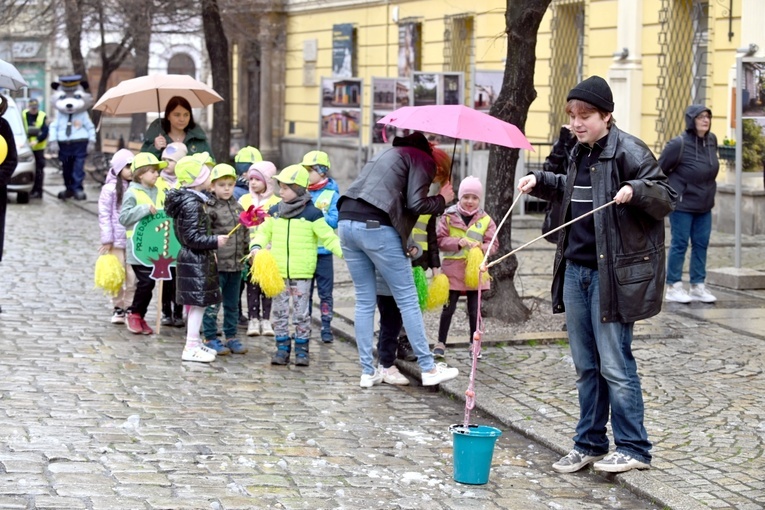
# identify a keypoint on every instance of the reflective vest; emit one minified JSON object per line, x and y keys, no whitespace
{"x":475,"y":233}
{"x":246,"y":201}
{"x":420,"y":232}
{"x":142,"y":198}
{"x":162,"y":185}
{"x":39,"y":123}
{"x":324,"y":200}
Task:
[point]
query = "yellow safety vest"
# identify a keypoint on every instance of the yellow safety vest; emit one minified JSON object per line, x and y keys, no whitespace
{"x":162,"y":185}
{"x":475,"y":233}
{"x":324,"y":200}
{"x":36,"y":146}
{"x":246,"y":201}
{"x":142,"y":198}
{"x":420,"y":232}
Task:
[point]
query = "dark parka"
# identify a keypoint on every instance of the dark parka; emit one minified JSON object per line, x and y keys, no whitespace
{"x":195,"y":140}
{"x":224,"y":216}
{"x":7,"y":167}
{"x":629,"y":237}
{"x":397,"y":181}
{"x":690,"y":161}
{"x":197,"y":283}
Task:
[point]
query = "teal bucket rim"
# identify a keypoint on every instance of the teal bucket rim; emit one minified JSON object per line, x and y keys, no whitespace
{"x":488,"y":431}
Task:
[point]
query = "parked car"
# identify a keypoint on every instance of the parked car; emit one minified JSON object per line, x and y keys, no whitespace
{"x":23,"y":178}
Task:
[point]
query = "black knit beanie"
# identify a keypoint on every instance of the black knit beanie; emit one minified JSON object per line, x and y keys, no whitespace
{"x":594,"y":90}
{"x":415,"y":139}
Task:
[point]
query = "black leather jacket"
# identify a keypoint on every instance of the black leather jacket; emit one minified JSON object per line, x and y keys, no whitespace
{"x":397,"y":181}
{"x":629,"y":237}
{"x":197,"y":281}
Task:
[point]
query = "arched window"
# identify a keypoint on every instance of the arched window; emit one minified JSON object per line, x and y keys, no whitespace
{"x":182,"y":63}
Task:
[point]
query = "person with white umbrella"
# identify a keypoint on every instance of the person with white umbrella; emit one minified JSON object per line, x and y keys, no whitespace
{"x":177,"y":126}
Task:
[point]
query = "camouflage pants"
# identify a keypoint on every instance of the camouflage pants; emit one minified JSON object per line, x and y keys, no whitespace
{"x":300,"y":292}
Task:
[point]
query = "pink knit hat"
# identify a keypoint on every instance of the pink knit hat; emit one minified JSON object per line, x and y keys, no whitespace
{"x":262,"y":171}
{"x":471,"y":185}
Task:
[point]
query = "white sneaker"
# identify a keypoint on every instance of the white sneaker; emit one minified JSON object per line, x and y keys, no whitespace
{"x":700,"y":293}
{"x":367,"y":381}
{"x":265,"y":328}
{"x":208,"y":350}
{"x":253,"y":327}
{"x":393,"y":376}
{"x":441,"y":373}
{"x":677,"y":294}
{"x":197,"y":354}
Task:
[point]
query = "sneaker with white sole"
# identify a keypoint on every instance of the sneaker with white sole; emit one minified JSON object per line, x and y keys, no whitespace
{"x":618,"y":462}
{"x":393,"y":376}
{"x":253,"y":327}
{"x":208,"y":350}
{"x":265,"y":328}
{"x":441,"y":373}
{"x":700,"y":293}
{"x":118,"y":316}
{"x":439,"y":351}
{"x":677,"y":294}
{"x":198,"y":354}
{"x":367,"y":380}
{"x":574,"y":461}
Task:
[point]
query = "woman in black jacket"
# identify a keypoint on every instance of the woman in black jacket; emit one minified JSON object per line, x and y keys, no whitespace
{"x":7,"y":167}
{"x":197,"y":284}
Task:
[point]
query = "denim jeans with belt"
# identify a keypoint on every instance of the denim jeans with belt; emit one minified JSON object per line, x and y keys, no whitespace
{"x":364,"y":250}
{"x":694,"y":226}
{"x":606,"y":371}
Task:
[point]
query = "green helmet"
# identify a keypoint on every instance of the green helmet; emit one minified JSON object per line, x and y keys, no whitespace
{"x":293,"y":174}
{"x":223,"y":170}
{"x":316,"y":158}
{"x":143,"y":159}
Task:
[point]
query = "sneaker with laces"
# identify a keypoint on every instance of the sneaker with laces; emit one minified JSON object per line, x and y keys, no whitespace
{"x":574,"y":461}
{"x":393,"y":376}
{"x":166,"y":320}
{"x":677,"y":294}
{"x":369,"y":380}
{"x":618,"y":462}
{"x":699,"y":292}
{"x":441,"y":373}
{"x":198,"y":354}
{"x":404,"y":350}
{"x":133,"y":323}
{"x":118,"y":316}
{"x":236,"y":347}
{"x":439,"y":350}
{"x":145,"y":328}
{"x":253,"y":328}
{"x":265,"y":328}
{"x":216,"y":345}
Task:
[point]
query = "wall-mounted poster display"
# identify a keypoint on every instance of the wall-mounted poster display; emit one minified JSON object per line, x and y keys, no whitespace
{"x":342,"y":50}
{"x":388,"y":94}
{"x":408,"y":48}
{"x":341,"y":107}
{"x":438,"y":88}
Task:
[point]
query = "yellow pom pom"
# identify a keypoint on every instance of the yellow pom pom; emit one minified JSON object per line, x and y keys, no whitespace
{"x":438,"y":292}
{"x":473,"y":267}
{"x":265,"y":273}
{"x":109,"y":274}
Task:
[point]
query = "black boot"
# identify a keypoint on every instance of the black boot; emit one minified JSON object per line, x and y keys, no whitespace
{"x":283,"y":348}
{"x":301,"y":352}
{"x":404,"y":350}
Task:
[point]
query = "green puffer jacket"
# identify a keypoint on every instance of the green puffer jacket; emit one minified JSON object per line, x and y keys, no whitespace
{"x":224,"y":216}
{"x":195,"y":141}
{"x":294,"y":241}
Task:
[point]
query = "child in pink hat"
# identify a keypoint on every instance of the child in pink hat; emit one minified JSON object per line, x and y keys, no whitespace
{"x":462,"y":227}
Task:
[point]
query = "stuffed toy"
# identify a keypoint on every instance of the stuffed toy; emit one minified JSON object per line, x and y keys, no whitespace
{"x":72,"y":133}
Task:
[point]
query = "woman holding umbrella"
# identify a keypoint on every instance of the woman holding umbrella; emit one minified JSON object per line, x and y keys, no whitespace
{"x":176,"y":126}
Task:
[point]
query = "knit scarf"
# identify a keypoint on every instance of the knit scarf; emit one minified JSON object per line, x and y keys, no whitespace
{"x":291,"y":209}
{"x":318,"y":185}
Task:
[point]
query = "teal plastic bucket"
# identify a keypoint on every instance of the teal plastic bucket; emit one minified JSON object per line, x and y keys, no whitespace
{"x":473,"y":451}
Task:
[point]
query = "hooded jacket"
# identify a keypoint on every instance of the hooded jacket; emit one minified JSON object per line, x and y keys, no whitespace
{"x":195,"y":140}
{"x":454,"y":269}
{"x":224,"y":216}
{"x":112,"y":231}
{"x":132,"y":212}
{"x":690,"y":161}
{"x":197,"y":282}
{"x":330,"y":214}
{"x":397,"y":182}
{"x":629,"y":237}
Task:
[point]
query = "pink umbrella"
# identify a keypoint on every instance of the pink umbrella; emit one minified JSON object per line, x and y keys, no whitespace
{"x":457,"y":121}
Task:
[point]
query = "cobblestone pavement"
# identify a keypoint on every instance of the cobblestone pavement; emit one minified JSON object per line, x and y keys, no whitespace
{"x":93,"y":417}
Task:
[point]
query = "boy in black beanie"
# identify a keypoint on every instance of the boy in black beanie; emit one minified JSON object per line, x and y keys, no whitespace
{"x":609,"y":272}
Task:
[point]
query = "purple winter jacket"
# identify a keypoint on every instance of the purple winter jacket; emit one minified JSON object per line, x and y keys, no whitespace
{"x":109,"y":212}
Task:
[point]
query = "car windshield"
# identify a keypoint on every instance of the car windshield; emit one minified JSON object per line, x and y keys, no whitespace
{"x":13,"y":117}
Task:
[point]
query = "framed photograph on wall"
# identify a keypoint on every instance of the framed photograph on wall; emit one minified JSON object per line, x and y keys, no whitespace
{"x":341,"y":107}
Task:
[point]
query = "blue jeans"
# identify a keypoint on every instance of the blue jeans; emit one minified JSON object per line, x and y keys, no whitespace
{"x":364,"y":250}
{"x":229,"y":289}
{"x":697,"y":227}
{"x":606,"y":371}
{"x":324,"y":279}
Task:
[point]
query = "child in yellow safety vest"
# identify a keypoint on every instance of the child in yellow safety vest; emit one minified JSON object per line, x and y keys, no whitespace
{"x":462,"y":227}
{"x":325,"y":194}
{"x":260,"y":177}
{"x":141,"y":199}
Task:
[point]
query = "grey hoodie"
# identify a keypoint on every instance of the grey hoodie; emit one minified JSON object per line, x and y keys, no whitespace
{"x":691,"y":164}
